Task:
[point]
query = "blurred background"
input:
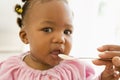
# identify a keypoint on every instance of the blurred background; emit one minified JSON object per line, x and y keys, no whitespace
{"x":96,"y":22}
{"x":10,"y":43}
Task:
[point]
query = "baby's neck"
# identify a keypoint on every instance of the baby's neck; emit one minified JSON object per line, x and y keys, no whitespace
{"x":33,"y":63}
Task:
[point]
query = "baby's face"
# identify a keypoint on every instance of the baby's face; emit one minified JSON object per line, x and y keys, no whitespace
{"x":49,"y":29}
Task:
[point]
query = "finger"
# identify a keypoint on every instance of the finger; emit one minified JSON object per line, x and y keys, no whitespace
{"x":109,"y":54}
{"x":109,"y":70}
{"x":101,"y":62}
{"x":109,"y":48}
{"x":116,"y":74}
{"x":116,"y":63}
{"x":110,"y":73}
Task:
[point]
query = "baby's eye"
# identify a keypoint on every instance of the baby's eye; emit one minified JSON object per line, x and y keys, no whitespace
{"x":68,"y":32}
{"x":48,"y":29}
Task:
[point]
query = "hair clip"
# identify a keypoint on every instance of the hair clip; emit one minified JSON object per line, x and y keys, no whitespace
{"x":24,"y":0}
{"x":19,"y":10}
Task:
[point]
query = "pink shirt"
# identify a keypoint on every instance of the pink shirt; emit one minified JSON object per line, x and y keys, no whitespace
{"x":15,"y":68}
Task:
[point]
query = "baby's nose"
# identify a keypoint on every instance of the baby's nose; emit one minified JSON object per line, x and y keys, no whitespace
{"x":59,"y":38}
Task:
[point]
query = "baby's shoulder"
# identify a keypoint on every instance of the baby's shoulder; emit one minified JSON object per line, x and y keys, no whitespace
{"x":12,"y":67}
{"x":10,"y":62}
{"x":13,"y":61}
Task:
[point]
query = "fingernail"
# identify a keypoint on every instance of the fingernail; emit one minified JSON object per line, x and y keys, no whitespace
{"x":101,"y":53}
{"x":100,"y":47}
{"x":116,"y":74}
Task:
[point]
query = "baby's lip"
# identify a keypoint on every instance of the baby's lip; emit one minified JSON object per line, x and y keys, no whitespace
{"x":57,"y":51}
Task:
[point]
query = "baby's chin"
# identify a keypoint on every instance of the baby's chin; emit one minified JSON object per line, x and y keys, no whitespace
{"x":55,"y":63}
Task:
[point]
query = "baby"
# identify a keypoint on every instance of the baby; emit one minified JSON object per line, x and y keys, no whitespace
{"x":46,"y":25}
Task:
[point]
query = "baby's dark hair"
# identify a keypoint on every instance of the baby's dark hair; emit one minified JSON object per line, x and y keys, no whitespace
{"x":21,"y":10}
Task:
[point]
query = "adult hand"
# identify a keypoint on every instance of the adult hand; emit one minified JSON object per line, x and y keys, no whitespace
{"x":112,"y":68}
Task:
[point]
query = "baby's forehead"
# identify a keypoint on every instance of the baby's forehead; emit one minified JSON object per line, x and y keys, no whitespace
{"x":38,"y":10}
{"x":38,"y":2}
{"x":30,"y":4}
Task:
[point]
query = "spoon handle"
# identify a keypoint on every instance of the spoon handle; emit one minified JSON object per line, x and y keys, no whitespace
{"x":105,"y":59}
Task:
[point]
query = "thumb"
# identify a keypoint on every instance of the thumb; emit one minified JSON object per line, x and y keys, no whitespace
{"x":116,"y":61}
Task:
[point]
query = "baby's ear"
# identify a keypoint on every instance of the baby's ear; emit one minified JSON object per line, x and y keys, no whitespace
{"x":23,"y":36}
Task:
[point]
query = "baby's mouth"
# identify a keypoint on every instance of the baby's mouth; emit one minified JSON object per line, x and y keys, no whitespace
{"x":55,"y":53}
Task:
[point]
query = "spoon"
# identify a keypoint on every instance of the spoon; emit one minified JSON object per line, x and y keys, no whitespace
{"x":67,"y":57}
